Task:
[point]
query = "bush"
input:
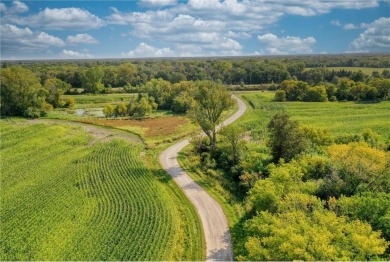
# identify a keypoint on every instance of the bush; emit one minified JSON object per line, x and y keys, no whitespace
{"x":280,"y":96}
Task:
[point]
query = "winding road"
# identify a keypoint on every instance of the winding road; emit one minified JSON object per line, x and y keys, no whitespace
{"x":214,"y":222}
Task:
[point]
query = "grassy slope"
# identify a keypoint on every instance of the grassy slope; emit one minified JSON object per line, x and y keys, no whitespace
{"x":65,"y":198}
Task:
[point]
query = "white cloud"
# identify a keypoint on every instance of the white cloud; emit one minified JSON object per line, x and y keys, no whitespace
{"x":75,"y":54}
{"x":286,"y":45}
{"x":335,"y":23}
{"x":15,"y":39}
{"x":61,"y":18}
{"x":81,"y":39}
{"x":17,"y":7}
{"x":350,"y":26}
{"x":375,"y":38}
{"x":145,"y":50}
{"x":238,"y":35}
{"x":157,"y":3}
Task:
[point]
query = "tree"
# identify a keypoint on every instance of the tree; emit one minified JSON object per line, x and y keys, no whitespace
{"x":286,"y":138}
{"x":211,"y":100}
{"x":371,"y":207}
{"x":310,"y":235}
{"x":56,"y":88}
{"x":161,"y":90}
{"x":280,"y":96}
{"x":108,"y":110}
{"x":21,"y":93}
{"x":91,"y":80}
{"x":315,"y":94}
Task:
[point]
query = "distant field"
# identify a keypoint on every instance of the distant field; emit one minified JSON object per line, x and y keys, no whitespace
{"x":338,"y":117}
{"x":366,"y":70}
{"x":84,"y":101}
{"x":67,"y":196}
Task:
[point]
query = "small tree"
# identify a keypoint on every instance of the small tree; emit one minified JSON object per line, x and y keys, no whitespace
{"x":211,"y":100}
{"x":287,"y":139}
{"x":280,"y":96}
{"x":108,"y":110}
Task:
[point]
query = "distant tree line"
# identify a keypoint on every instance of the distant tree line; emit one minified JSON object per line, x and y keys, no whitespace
{"x":340,"y":89}
{"x":99,"y":76}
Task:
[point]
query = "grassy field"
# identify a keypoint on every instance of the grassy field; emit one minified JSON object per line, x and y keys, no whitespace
{"x":338,"y":117}
{"x":67,"y":196}
{"x":89,"y":100}
{"x":365,"y":70}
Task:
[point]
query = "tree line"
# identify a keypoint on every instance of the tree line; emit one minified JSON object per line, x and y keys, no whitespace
{"x":99,"y":76}
{"x":340,"y":89}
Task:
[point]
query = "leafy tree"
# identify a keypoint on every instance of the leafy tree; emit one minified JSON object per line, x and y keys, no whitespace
{"x":371,"y":207}
{"x":56,"y":88}
{"x":211,"y":100}
{"x":280,"y":96}
{"x":161,"y":90}
{"x":315,"y":94}
{"x":357,"y":167}
{"x":91,"y":80}
{"x":126,"y":74}
{"x":109,"y":110}
{"x":286,"y":138}
{"x":21,"y":93}
{"x":120,"y":109}
{"x":310,"y":234}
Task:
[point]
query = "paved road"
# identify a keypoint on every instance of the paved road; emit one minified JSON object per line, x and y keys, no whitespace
{"x":215,"y":225}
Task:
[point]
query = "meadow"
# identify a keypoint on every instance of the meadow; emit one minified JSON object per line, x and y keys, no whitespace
{"x":340,"y":118}
{"x":67,"y":195}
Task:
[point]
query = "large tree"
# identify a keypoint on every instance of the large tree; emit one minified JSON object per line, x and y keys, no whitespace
{"x":21,"y":93}
{"x":211,"y":100}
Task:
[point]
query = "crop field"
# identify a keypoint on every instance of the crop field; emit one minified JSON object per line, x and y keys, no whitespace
{"x":67,"y":196}
{"x":365,"y":70}
{"x":338,"y":117}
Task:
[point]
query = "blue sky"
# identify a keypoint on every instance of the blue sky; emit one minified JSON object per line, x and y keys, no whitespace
{"x":172,"y":28}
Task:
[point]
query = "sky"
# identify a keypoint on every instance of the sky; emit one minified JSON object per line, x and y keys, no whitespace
{"x":175,"y":28}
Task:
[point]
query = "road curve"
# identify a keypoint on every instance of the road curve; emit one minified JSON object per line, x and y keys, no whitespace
{"x":214,"y":222}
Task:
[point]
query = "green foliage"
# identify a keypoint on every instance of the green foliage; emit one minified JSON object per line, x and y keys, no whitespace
{"x":91,"y":80}
{"x":315,"y":94}
{"x":55,"y":89}
{"x":161,"y":90}
{"x":109,"y":110}
{"x":21,"y":93}
{"x":310,"y":234}
{"x":210,"y":101}
{"x":280,"y":96}
{"x":357,"y":167}
{"x":286,"y":138}
{"x":371,"y":207}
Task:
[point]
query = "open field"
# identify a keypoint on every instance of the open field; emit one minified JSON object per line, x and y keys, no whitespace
{"x":365,"y":70}
{"x":67,"y":196}
{"x":93,"y":100}
{"x":338,"y":117}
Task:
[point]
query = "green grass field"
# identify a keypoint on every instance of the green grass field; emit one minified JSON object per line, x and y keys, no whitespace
{"x":338,"y":117}
{"x":365,"y":70}
{"x":67,"y":196}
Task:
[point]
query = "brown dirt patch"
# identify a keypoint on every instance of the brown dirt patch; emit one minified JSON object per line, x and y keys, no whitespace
{"x":161,"y":126}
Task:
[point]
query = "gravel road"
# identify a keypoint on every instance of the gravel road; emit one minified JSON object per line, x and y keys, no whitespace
{"x":214,"y":222}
